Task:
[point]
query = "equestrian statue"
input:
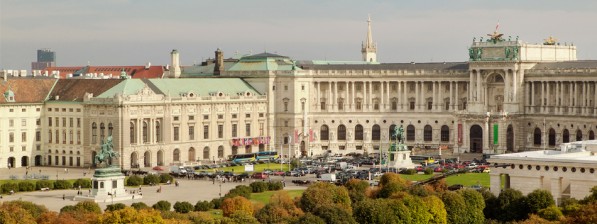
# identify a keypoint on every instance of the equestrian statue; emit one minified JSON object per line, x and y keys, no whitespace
{"x":106,"y":153}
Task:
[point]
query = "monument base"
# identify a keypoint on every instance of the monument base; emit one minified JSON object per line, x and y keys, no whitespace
{"x":107,"y":185}
{"x":401,"y":159}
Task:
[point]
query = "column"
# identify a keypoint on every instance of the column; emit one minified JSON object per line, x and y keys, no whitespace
{"x":515,"y":85}
{"x":451,"y":107}
{"x":532,"y":98}
{"x":557,"y":96}
{"x":570,"y":98}
{"x":353,"y":105}
{"x":336,"y":96}
{"x":507,"y":83}
{"x":399,"y":96}
{"x":405,"y":100}
{"x":595,"y":98}
{"x":542,"y":97}
{"x":470,"y":86}
{"x":576,"y":96}
{"x":456,"y":97}
{"x":388,"y":100}
{"x":370,"y":106}
{"x":585,"y":97}
{"x":329,"y":97}
{"x":382,"y":105}
{"x":345,"y":103}
{"x":417,"y":101}
{"x":479,"y":86}
{"x":318,"y":100}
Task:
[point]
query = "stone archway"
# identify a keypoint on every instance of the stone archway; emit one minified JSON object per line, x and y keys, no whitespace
{"x":192,"y":155}
{"x":38,"y":161}
{"x":476,"y":139}
{"x":495,"y":92}
{"x":134,"y":160}
{"x":11,"y":162}
{"x":510,"y":139}
{"x":24,"y":161}
{"x":147,"y":159}
{"x":160,"y":158}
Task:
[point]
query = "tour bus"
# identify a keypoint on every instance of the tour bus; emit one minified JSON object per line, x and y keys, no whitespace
{"x":243,"y":158}
{"x":422,"y":159}
{"x":267,"y":156}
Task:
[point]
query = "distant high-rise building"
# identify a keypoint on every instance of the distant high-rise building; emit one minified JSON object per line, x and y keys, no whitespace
{"x":45,"y":58}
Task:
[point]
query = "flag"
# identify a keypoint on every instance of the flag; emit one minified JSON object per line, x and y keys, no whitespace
{"x":497,"y":25}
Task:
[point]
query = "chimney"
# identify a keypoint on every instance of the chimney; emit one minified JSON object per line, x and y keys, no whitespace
{"x":175,"y":59}
{"x":219,"y":66}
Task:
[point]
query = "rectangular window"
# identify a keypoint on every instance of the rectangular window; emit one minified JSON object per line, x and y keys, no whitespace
{"x":38,"y":122}
{"x":78,"y":137}
{"x":205,"y":131}
{"x":57,"y":121}
{"x":23,"y":148}
{"x":205,"y":117}
{"x":234,"y":115}
{"x":23,"y":136}
{"x":220,"y":131}
{"x":394,"y":105}
{"x":175,"y":118}
{"x":78,"y":122}
{"x":38,"y":147}
{"x":261,"y":115}
{"x":234,"y":130}
{"x":220,"y":116}
{"x":11,"y":137}
{"x":23,"y":122}
{"x":412,"y":105}
{"x":38,"y":136}
{"x":63,"y":122}
{"x":322,"y":105}
{"x":247,"y":115}
{"x":286,"y":87}
{"x":63,"y":109}
{"x":191,"y":132}
{"x":70,"y":122}
{"x":247,"y":129}
{"x":447,"y":106}
{"x":70,"y":109}
{"x":303,"y":87}
{"x":359,"y":106}
{"x":191,"y":118}
{"x":260,"y":129}
{"x":176,"y":133}
{"x":11,"y":123}
{"x":23,"y":110}
{"x":49,"y":121}
{"x":12,"y":149}
{"x":340,"y":105}
{"x":285,"y":140}
{"x":429,"y":105}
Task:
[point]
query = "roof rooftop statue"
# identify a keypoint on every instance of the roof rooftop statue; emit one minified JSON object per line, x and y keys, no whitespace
{"x":550,"y":41}
{"x":495,"y":36}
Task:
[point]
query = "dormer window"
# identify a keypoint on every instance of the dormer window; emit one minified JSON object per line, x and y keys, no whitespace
{"x":9,"y":95}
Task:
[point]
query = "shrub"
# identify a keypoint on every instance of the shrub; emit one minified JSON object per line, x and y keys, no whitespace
{"x":408,"y":171}
{"x":334,"y":214}
{"x":237,"y":204}
{"x":551,"y":213}
{"x":309,"y":218}
{"x":34,"y":209}
{"x":204,"y":206}
{"x":8,"y":186}
{"x":26,"y":186}
{"x":428,"y":171}
{"x":201,"y":218}
{"x":88,"y":206}
{"x":115,"y":207}
{"x":44,"y":184}
{"x":68,"y":208}
{"x":83,"y":183}
{"x":183,"y":207}
{"x":162,"y":205}
{"x":62,"y":184}
{"x":240,"y":190}
{"x":258,"y":186}
{"x":134,"y":180}
{"x":139,"y":205}
{"x":275,"y":185}
{"x":151,"y":179}
{"x":164,"y":178}
{"x":217,"y":203}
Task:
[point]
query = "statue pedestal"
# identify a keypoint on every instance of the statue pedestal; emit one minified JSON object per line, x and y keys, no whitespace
{"x":401,"y":159}
{"x":108,"y":186}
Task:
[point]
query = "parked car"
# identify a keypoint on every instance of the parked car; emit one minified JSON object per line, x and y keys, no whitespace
{"x":259,"y":175}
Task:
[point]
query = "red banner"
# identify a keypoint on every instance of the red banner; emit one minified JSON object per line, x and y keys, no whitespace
{"x":295,"y":136}
{"x":310,"y":135}
{"x":250,"y":141}
{"x":460,"y":134}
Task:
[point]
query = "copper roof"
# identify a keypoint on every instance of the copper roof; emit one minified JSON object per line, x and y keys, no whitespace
{"x":27,"y":90}
{"x":75,"y":89}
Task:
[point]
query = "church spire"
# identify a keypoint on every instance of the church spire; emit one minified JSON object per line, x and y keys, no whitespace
{"x":369,"y":50}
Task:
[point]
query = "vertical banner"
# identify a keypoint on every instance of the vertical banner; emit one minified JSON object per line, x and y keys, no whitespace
{"x":310,"y":135}
{"x":495,"y":134}
{"x":459,"y":133}
{"x":296,"y":140}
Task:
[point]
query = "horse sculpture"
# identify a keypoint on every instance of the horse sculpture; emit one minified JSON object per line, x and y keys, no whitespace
{"x":106,"y":152}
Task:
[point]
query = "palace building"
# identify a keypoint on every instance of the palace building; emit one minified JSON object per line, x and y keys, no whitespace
{"x":510,"y":96}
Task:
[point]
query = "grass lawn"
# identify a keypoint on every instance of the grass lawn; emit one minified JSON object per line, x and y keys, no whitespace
{"x":466,"y":179}
{"x":216,"y":213}
{"x":265,"y":196}
{"x":256,"y":168}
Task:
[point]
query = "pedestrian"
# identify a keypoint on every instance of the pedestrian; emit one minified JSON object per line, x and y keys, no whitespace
{"x":63,"y":197}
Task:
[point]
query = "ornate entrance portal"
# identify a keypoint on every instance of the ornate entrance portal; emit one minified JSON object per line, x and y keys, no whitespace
{"x":476,"y":139}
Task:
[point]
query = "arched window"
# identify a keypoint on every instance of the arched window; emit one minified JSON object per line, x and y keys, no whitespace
{"x":537,"y":136}
{"x":578,"y":135}
{"x":445,"y":133}
{"x":410,"y":132}
{"x":102,"y":132}
{"x":565,"y":136}
{"x":324,"y":133}
{"x":552,"y":137}
{"x":591,"y":135}
{"x":428,"y":133}
{"x":110,"y":128}
{"x":392,"y":132}
{"x":341,"y":132}
{"x":93,"y":133}
{"x":145,"y":132}
{"x":176,"y":155}
{"x":132,"y":133}
{"x":358,"y":132}
{"x":158,"y":132}
{"x":221,"y":151}
{"x":375,"y":133}
{"x":192,"y":154}
{"x":206,"y":153}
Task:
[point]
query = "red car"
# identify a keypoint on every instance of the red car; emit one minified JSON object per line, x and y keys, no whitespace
{"x":259,"y":176}
{"x":158,"y":168}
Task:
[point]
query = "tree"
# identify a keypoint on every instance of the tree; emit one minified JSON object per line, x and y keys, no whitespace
{"x":239,"y":217}
{"x":201,"y":218}
{"x":130,"y":215}
{"x":455,"y":207}
{"x":14,"y":213}
{"x":374,"y":211}
{"x":309,"y":218}
{"x":551,"y":213}
{"x":474,"y":205}
{"x":183,"y":207}
{"x":88,"y":206}
{"x":240,"y":190}
{"x":357,"y":189}
{"x":534,"y":219}
{"x":539,"y":199}
{"x":162,"y":206}
{"x":258,"y":186}
{"x":272,"y":214}
{"x":511,"y":205}
{"x":334,"y":214}
{"x":586,"y":214}
{"x":435,"y":207}
{"x":139,"y":205}
{"x":236,"y":204}
{"x":391,"y":183}
{"x":325,"y":194}
{"x":203,"y":206}
{"x":34,"y":209}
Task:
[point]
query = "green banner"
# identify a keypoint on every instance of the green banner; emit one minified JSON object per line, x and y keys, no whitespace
{"x":495,"y":134}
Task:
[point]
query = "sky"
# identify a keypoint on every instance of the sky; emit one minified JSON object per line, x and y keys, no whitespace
{"x":135,"y":32}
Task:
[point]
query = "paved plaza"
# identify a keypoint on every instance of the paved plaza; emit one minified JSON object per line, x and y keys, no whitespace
{"x":188,"y":190}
